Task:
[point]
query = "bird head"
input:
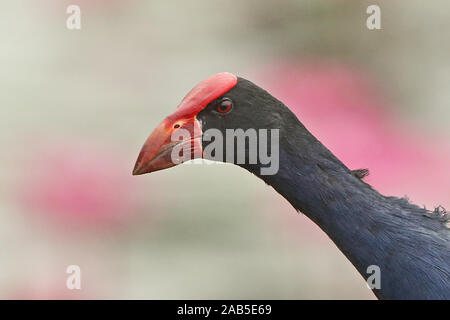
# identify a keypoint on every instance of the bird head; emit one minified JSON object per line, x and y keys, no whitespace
{"x":213,"y":116}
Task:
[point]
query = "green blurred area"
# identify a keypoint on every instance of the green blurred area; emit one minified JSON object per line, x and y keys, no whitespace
{"x":205,"y":231}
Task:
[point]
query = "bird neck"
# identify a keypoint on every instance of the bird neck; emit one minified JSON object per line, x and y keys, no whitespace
{"x":328,"y":193}
{"x":369,"y":228}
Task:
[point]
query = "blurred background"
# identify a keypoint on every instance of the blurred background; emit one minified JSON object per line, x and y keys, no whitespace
{"x":77,"y":105}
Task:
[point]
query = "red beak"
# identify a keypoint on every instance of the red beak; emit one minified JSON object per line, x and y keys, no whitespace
{"x":179,"y":137}
{"x":173,"y":142}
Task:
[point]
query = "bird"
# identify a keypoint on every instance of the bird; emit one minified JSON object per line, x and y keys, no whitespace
{"x":409,"y":245}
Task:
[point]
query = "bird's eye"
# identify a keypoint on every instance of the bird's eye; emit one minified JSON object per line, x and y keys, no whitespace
{"x":224,"y":106}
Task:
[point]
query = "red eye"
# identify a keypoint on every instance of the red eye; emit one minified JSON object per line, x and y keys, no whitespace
{"x":224,"y":106}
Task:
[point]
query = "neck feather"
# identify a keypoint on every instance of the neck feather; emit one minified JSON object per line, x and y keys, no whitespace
{"x":411,"y":249}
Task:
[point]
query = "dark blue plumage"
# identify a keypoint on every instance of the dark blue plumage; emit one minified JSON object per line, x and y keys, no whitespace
{"x":409,"y":244}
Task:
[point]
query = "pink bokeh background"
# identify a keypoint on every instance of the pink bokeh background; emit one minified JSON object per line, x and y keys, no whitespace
{"x":78,"y":105}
